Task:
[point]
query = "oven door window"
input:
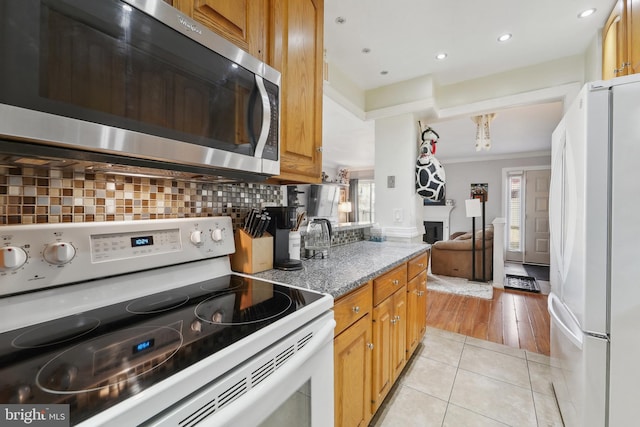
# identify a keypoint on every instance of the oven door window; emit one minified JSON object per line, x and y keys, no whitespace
{"x":109,"y":63}
{"x":294,"y":412}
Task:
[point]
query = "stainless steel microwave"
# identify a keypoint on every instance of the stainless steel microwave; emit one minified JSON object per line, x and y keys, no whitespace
{"x":133,"y":84}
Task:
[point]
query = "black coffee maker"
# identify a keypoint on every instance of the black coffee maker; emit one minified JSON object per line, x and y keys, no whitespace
{"x":283,"y":219}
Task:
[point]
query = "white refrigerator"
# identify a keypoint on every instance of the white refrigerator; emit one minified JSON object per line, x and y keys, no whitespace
{"x":594,"y":215}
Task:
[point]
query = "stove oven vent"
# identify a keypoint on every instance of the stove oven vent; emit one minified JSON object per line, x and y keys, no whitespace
{"x":250,"y":378}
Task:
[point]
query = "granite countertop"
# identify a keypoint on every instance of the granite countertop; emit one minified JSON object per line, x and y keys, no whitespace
{"x":348,"y":266}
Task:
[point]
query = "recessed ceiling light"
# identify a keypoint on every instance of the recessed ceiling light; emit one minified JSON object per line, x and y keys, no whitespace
{"x":366,"y":50}
{"x":384,"y":72}
{"x":441,"y":56}
{"x":586,"y":13}
{"x":504,"y":37}
{"x":341,"y":20}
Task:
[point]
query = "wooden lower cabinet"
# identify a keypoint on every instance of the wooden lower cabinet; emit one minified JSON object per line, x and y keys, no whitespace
{"x":389,"y":338}
{"x":416,"y":311}
{"x":378,"y":327}
{"x":352,"y":370}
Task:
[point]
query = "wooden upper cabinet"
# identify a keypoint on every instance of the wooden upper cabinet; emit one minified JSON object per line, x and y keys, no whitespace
{"x":243,"y":22}
{"x":621,"y":40}
{"x":633,"y":35}
{"x":296,"y":50}
{"x":613,"y":42}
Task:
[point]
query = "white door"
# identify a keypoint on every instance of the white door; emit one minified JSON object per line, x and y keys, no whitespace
{"x":536,"y":227}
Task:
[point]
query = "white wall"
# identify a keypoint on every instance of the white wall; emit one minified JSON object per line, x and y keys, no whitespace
{"x":397,"y":209}
{"x":460,"y":176}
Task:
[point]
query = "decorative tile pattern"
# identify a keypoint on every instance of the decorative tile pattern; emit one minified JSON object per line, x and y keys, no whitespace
{"x":347,"y":236}
{"x":31,"y":195}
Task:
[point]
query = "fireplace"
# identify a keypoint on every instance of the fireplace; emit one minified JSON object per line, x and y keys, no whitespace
{"x":433,"y":231}
{"x":439,"y":215}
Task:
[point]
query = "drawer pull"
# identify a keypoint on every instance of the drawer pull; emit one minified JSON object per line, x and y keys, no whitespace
{"x":394,"y":321}
{"x":395,"y":282}
{"x":356,"y":309}
{"x":370,"y":346}
{"x":420,"y":264}
{"x":420,"y":293}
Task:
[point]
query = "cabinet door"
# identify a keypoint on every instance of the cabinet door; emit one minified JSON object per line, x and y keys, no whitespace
{"x":399,"y":333}
{"x":296,"y":46}
{"x":412,"y":315}
{"x":382,"y":351}
{"x":421,"y":312}
{"x":242,"y":22}
{"x":352,"y":371}
{"x":614,"y":43}
{"x":633,"y":35}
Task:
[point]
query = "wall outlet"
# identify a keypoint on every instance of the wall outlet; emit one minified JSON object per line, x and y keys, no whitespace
{"x":397,"y":215}
{"x":391,"y":181}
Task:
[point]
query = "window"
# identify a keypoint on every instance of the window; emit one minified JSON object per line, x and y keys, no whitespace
{"x":514,"y":213}
{"x":366,"y":200}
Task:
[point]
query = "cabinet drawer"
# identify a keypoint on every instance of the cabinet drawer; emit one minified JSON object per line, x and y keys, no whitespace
{"x":388,"y":283}
{"x":351,"y":307}
{"x":417,"y":265}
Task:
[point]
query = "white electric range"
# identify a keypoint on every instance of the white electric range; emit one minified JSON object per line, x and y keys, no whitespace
{"x":144,"y":323}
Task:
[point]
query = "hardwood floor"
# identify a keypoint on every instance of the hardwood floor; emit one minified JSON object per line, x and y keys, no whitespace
{"x":517,"y":319}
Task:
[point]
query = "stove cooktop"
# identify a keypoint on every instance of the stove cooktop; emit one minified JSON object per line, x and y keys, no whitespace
{"x":98,"y":358}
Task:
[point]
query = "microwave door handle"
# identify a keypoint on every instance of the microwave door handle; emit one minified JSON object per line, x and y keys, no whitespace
{"x":266,"y":117}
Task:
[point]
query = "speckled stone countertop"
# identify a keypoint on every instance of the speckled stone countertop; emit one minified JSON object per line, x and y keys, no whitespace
{"x":348,"y":266}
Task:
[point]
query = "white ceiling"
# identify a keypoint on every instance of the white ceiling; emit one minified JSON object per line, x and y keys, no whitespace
{"x":405,"y":35}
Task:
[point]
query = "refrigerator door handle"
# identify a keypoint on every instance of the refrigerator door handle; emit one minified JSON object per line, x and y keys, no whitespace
{"x":562,"y":318}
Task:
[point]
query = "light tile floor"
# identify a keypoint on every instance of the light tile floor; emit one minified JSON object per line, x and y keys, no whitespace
{"x":459,"y":381}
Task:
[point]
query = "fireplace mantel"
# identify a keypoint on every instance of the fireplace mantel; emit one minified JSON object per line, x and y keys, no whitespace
{"x":439,"y":214}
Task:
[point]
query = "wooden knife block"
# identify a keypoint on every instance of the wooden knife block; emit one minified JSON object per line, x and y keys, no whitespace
{"x":252,"y":255}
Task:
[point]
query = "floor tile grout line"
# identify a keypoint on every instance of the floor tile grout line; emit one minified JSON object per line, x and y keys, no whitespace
{"x":533,"y":400}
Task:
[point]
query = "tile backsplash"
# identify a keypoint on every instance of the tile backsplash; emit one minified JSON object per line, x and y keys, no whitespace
{"x":30,"y":195}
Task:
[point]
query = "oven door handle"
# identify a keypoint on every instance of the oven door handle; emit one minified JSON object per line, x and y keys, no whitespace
{"x":242,"y":408}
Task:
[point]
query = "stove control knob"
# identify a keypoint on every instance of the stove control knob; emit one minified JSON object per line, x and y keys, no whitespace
{"x":59,"y":253}
{"x":12,"y":258}
{"x":196,"y":237}
{"x":216,"y":235}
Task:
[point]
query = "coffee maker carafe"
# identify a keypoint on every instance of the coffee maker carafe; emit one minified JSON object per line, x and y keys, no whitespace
{"x":283,"y":219}
{"x":317,"y":241}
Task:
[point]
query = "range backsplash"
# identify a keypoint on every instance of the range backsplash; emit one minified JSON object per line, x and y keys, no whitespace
{"x":30,"y":195}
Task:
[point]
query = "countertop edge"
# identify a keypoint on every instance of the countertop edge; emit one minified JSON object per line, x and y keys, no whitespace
{"x":348,"y":267}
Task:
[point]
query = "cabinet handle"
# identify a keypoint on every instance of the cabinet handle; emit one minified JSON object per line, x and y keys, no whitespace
{"x":420,"y":265}
{"x":420,"y":293}
{"x":394,"y":321}
{"x":356,"y":309}
{"x":395,"y":282}
{"x":622,"y":67}
{"x":370,"y":346}
{"x":397,"y":318}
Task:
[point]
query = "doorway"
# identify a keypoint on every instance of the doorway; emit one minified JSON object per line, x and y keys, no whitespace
{"x":527,"y":215}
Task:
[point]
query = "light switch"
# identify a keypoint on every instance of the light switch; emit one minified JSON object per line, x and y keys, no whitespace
{"x":391,"y":181}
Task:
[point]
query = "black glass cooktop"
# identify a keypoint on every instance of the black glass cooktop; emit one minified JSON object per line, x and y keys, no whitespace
{"x":95,"y":359}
